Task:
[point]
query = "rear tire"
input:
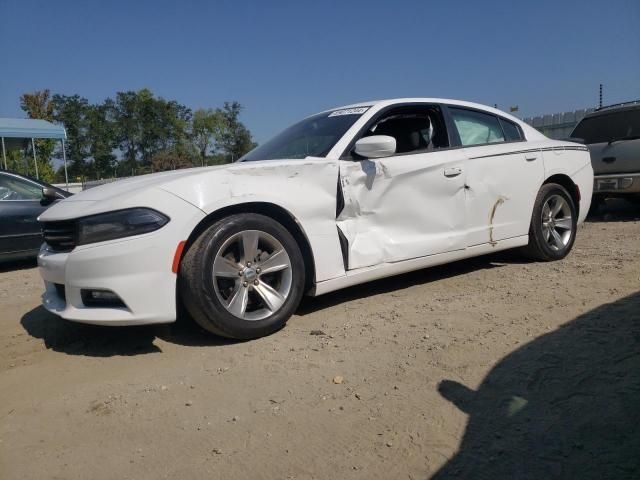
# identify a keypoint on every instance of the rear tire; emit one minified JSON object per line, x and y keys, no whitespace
{"x":553,"y":224}
{"x":243,"y":277}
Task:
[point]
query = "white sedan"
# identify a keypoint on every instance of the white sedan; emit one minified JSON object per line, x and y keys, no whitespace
{"x":343,"y":197}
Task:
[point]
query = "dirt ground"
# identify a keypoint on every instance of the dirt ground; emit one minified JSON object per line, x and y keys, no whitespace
{"x":493,"y":367}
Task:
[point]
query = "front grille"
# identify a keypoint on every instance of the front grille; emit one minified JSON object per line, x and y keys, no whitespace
{"x":60,"y":236}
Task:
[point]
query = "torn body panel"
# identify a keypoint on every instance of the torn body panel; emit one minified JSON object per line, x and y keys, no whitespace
{"x":306,"y":188}
{"x":402,"y":207}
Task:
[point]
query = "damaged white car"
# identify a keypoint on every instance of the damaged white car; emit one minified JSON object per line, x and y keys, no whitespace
{"x":342,"y":197}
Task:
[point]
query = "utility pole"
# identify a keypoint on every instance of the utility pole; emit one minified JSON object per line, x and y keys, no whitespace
{"x":600,"y":105}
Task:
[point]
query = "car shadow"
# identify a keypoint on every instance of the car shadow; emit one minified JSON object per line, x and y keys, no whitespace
{"x":406,"y":280}
{"x":566,"y":405}
{"x":13,"y":265}
{"x":99,"y":341}
{"x":616,"y":210}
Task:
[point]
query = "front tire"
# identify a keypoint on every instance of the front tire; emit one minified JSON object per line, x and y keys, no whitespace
{"x":243,"y":277}
{"x":553,"y":224}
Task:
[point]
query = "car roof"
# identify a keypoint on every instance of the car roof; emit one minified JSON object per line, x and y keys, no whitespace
{"x":531,"y":133}
{"x":31,"y":179}
{"x":24,"y":177}
{"x":619,"y":107}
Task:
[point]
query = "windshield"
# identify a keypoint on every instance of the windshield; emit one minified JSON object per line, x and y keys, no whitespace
{"x":609,"y":127}
{"x":312,"y":137}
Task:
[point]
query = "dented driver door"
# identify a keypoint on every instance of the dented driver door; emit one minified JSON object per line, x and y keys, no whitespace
{"x":402,"y":207}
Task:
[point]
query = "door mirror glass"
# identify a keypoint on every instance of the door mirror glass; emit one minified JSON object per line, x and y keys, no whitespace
{"x":376,"y":146}
{"x":50,"y":194}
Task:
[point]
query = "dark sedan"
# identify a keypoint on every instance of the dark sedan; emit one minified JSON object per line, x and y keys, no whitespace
{"x":22,"y":199}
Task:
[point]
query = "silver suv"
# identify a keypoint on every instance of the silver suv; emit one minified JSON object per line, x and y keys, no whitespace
{"x":613,"y":136}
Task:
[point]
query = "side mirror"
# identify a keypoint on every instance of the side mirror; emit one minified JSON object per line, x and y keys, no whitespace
{"x":49,"y":194}
{"x":376,"y":146}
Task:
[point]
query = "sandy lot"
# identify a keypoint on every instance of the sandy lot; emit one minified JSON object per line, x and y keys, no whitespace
{"x":490,"y":368}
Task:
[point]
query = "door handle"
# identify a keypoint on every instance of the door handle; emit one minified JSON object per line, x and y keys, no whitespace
{"x":452,"y":172}
{"x":609,"y":159}
{"x":530,"y":157}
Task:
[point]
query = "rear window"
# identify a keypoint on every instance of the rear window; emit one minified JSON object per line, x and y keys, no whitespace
{"x":511,"y":131}
{"x":609,"y":127}
{"x":476,"y":128}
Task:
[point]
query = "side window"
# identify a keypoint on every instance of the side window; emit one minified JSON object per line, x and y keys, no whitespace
{"x":511,"y":130}
{"x":416,"y":129}
{"x":476,"y":128}
{"x":15,"y":189}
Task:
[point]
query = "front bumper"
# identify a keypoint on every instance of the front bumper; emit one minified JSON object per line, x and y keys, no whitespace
{"x":137,"y":269}
{"x":622,"y":183}
{"x":129,"y":269}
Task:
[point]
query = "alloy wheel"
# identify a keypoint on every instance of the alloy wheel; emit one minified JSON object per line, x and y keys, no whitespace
{"x":557,"y":222}
{"x":252,"y":275}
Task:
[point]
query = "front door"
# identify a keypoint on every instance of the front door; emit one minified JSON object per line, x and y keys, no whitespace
{"x":408,"y":205}
{"x":20,"y":205}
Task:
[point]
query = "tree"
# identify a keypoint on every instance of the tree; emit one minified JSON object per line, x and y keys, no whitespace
{"x":127,"y":125}
{"x":101,"y":138}
{"x":235,"y":139}
{"x":136,"y":132}
{"x":72,"y":112}
{"x":146,"y":125}
{"x":38,"y":105}
{"x":170,"y":160}
{"x":207,"y":126}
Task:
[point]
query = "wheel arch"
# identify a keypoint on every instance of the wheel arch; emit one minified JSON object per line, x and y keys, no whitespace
{"x":569,"y":185}
{"x":273,"y":211}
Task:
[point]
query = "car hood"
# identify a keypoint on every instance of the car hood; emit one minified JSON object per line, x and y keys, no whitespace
{"x":113,"y":190}
{"x":198,"y":186}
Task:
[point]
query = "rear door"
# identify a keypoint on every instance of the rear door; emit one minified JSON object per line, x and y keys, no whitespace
{"x":20,"y":204}
{"x":503,"y":176}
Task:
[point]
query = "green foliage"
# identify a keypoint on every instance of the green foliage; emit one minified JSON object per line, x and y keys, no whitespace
{"x":101,"y":139}
{"x":71,"y":111}
{"x":21,"y":161}
{"x":207,"y":127}
{"x":235,"y":140}
{"x":146,"y":125}
{"x":38,"y":105}
{"x":137,"y":132}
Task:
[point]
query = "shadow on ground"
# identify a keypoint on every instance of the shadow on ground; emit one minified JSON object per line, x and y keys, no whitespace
{"x":96,"y":341}
{"x":79,"y":339}
{"x":13,"y":265}
{"x":406,"y":280}
{"x":616,"y":210}
{"x":566,"y":405}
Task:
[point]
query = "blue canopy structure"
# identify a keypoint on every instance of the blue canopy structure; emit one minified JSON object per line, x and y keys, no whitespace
{"x":28,"y":128}
{"x":32,"y":128}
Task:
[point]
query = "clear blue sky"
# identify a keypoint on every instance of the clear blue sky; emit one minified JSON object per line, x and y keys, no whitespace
{"x":284,"y":60}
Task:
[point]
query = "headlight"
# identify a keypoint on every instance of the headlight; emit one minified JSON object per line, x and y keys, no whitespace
{"x":119,"y":224}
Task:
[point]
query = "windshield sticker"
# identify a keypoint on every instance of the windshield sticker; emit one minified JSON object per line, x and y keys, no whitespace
{"x":349,"y":111}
